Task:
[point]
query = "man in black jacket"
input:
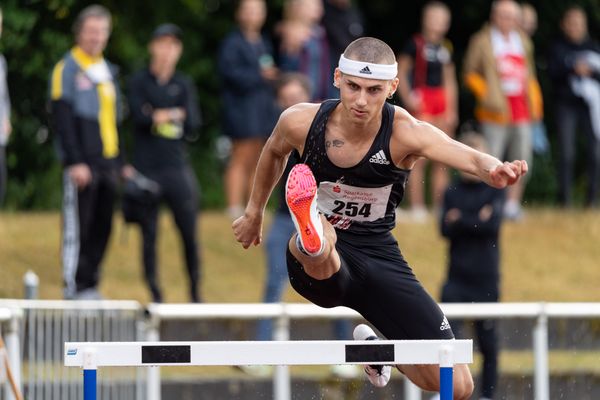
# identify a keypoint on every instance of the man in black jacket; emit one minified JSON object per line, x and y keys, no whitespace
{"x":164,"y":109}
{"x":471,"y":218}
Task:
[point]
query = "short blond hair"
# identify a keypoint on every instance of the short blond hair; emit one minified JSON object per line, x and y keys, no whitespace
{"x":370,"y":50}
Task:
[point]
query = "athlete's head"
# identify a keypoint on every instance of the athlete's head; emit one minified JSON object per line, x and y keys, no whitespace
{"x":366,"y":76}
{"x":92,"y":29}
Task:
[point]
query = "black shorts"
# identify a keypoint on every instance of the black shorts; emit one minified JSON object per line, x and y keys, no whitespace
{"x":375,"y":280}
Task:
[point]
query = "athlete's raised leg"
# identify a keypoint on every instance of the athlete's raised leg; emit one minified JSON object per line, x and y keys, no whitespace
{"x":313,"y":245}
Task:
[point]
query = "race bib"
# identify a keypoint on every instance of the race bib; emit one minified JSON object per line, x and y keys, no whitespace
{"x":353,"y":203}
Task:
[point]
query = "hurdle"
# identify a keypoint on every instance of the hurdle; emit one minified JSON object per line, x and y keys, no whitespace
{"x":92,"y":355}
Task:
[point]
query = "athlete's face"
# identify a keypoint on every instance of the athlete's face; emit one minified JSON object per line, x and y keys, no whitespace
{"x":93,"y":36}
{"x":363,"y":98}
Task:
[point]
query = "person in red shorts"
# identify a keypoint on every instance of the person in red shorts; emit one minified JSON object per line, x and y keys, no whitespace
{"x":427,"y":88}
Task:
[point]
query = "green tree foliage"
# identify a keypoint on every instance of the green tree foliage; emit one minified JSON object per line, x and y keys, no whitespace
{"x":38,"y":32}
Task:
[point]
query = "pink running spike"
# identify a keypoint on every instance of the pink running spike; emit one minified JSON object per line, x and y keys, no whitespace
{"x":301,"y":198}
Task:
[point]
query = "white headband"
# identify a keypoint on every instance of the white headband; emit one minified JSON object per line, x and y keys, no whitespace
{"x":384,"y":72}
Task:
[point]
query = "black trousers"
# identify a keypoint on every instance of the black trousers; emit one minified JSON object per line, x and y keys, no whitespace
{"x":179,"y":191}
{"x":570,"y":116}
{"x":485,"y":330}
{"x":87,"y":223}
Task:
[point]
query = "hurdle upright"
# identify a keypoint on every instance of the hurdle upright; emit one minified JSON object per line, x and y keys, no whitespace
{"x":92,"y":355}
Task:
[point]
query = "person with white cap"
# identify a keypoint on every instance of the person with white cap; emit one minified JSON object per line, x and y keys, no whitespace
{"x":356,"y":154}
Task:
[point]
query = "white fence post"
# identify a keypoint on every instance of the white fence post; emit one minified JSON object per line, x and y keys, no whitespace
{"x":540,"y":350}
{"x":14,"y":355}
{"x":282,"y":383}
{"x":153,"y":378}
{"x":411,"y":391}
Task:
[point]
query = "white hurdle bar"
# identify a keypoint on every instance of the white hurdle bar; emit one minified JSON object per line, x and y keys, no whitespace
{"x":92,"y":355}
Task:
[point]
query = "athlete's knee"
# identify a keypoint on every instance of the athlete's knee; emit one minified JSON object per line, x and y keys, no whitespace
{"x":463,"y":383}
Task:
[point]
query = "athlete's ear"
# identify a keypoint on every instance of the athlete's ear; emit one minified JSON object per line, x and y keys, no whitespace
{"x":337,"y":77}
{"x":393,"y":86}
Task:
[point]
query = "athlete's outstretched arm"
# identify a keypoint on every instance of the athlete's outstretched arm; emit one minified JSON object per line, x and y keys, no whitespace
{"x":429,"y":142}
{"x":271,"y":164}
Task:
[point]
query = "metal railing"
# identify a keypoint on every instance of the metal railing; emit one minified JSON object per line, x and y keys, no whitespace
{"x":36,"y":333}
{"x":34,"y":339}
{"x":284,"y":313}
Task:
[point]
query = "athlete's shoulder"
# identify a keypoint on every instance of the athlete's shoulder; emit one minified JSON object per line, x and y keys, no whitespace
{"x":403,"y":119}
{"x":299,"y":114}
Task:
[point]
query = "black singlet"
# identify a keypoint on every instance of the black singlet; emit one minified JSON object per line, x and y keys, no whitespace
{"x":361,"y":199}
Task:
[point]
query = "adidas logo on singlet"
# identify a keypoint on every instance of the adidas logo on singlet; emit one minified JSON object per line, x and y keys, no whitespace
{"x":365,"y":70}
{"x":379,"y":158}
{"x":445,"y":324}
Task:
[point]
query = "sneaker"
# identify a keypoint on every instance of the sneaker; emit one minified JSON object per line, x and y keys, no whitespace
{"x":301,"y":198}
{"x":379,"y":375}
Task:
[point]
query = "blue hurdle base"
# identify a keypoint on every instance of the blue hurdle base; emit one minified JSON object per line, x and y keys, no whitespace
{"x":89,"y":384}
{"x":446,"y":383}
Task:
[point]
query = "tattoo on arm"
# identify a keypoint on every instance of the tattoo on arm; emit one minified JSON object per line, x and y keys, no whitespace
{"x":334,"y":143}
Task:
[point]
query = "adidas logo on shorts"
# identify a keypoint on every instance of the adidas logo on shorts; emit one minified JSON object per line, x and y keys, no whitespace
{"x":379,"y":158}
{"x":445,"y":324}
{"x":365,"y":70}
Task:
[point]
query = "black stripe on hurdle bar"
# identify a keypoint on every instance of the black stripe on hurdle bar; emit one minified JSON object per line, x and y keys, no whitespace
{"x":166,"y":354}
{"x":370,"y":353}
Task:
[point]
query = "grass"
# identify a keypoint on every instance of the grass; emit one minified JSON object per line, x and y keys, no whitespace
{"x":550,"y":256}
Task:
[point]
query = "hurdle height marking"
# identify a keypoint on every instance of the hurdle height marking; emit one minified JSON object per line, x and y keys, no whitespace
{"x":91,"y":355}
{"x":166,"y":354}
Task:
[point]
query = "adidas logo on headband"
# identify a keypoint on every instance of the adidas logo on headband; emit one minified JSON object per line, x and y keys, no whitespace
{"x":373,"y":70}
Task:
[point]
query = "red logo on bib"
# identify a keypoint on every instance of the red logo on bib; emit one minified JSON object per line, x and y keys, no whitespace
{"x":337,"y":189}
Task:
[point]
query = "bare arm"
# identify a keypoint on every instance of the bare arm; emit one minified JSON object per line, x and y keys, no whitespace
{"x":414,"y":139}
{"x":289,"y":134}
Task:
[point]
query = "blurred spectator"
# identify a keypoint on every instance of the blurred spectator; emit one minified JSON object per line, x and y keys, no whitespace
{"x":428,"y":90}
{"x":84,"y":106}
{"x":5,"y":126}
{"x":471,"y":219}
{"x":529,"y":24}
{"x":247,"y":69}
{"x":574,"y":65}
{"x":304,"y":46}
{"x":343,"y":24}
{"x":164,"y":108}
{"x":499,"y":70}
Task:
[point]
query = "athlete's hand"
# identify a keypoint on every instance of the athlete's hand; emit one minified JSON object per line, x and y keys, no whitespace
{"x":248,"y":230}
{"x":508,"y":173}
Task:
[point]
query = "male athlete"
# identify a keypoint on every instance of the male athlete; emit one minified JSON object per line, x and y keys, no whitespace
{"x":356,"y":153}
